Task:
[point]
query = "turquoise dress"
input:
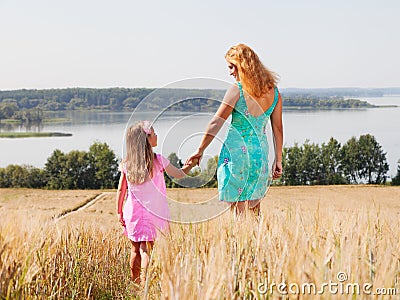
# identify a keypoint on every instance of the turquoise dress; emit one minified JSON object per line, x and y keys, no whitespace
{"x":242,"y":171}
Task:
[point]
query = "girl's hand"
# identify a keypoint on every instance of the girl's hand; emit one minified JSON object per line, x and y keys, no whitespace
{"x":195,"y":157}
{"x":121,"y":219}
{"x":192,"y":162}
{"x":277,"y":170}
{"x":189,"y":165}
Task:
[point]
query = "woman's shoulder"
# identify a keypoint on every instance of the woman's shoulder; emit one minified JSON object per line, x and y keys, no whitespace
{"x":232,"y":94}
{"x":235,"y":87}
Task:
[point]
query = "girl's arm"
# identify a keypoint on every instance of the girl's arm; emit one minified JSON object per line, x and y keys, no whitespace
{"x":224,"y":111}
{"x":277,"y":130}
{"x":121,"y":193}
{"x":180,"y":173}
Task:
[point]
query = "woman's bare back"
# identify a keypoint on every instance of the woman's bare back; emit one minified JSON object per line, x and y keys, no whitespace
{"x":258,"y":106}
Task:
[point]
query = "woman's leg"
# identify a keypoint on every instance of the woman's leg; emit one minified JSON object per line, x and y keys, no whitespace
{"x":135,"y":262}
{"x":254,"y":206}
{"x":238,"y":207}
{"x":145,"y":249}
{"x":241,"y":207}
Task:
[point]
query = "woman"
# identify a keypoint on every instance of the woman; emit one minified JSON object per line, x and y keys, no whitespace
{"x":243,"y":161}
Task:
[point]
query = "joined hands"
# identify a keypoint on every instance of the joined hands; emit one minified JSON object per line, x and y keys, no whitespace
{"x":194,"y":158}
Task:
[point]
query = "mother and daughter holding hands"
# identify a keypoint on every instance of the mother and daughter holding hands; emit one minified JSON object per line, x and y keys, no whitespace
{"x":243,"y":169}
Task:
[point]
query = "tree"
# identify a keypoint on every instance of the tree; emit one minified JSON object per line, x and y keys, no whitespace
{"x":372,"y":158}
{"x":55,"y":170}
{"x":77,"y":103}
{"x":37,"y":177}
{"x":96,"y":169}
{"x":358,"y":160}
{"x":13,"y":176}
{"x":29,"y":117}
{"x":131,"y":102}
{"x":8,"y":109}
{"x":310,"y":163}
{"x":77,"y":170}
{"x":364,"y":160}
{"x":210,"y":174}
{"x":207,"y":178}
{"x":24,"y":176}
{"x":290,"y":164}
{"x":175,"y":161}
{"x":104,"y":166}
{"x":331,"y":163}
{"x":350,"y":163}
{"x":396,"y":179}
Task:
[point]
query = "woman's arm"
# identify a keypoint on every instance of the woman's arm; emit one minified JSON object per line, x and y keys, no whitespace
{"x":277,"y":130}
{"x":224,"y":111}
{"x":121,"y":193}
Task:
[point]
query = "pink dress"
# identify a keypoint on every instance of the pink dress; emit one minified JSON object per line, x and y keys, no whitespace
{"x":146,"y":208}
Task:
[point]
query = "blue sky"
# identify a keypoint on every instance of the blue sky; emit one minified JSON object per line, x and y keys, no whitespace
{"x":127,"y":43}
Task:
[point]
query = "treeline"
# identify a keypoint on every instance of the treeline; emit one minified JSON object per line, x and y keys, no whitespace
{"x":396,"y":179}
{"x":360,"y":160}
{"x":30,"y":102}
{"x":112,"y":99}
{"x":316,"y":103}
{"x":93,"y":169}
{"x":27,"y":117}
{"x":343,"y":92}
{"x":75,"y":98}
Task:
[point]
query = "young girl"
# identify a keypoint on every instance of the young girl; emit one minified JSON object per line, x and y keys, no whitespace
{"x":146,"y":209}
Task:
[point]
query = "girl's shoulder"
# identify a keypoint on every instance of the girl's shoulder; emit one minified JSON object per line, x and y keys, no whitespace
{"x":162,"y":161}
{"x":122,"y":167}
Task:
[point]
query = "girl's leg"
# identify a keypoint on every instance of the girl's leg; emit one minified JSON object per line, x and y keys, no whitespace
{"x":135,"y":262}
{"x":145,"y":249}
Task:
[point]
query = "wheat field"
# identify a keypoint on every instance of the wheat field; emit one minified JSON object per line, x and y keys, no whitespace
{"x":325,"y":242}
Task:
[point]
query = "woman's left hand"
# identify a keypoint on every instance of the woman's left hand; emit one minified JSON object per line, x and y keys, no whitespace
{"x":277,"y":170}
{"x":197,"y":155}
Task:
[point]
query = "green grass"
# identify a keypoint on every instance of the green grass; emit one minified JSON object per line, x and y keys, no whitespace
{"x":10,"y":121}
{"x":47,"y":120}
{"x":56,"y":120}
{"x":32,"y":134}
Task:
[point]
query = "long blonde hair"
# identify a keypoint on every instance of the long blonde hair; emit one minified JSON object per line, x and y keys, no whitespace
{"x":139,"y":159}
{"x":256,"y":79}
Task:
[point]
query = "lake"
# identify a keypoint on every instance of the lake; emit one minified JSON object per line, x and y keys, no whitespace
{"x":181,"y":133}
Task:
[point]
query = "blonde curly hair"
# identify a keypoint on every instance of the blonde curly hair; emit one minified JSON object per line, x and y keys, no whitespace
{"x":256,"y":79}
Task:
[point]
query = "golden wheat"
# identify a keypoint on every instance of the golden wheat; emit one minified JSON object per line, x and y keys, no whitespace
{"x":308,"y":237}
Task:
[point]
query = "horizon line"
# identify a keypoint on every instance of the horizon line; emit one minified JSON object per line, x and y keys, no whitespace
{"x":122,"y":87}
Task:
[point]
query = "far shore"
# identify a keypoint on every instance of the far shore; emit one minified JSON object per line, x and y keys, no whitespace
{"x":13,"y":135}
